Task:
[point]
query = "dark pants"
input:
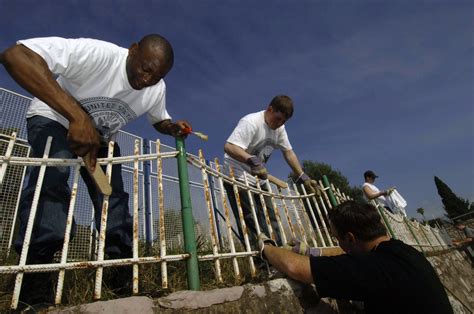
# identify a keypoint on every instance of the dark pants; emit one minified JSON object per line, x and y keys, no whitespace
{"x":249,"y":221}
{"x":50,"y":222}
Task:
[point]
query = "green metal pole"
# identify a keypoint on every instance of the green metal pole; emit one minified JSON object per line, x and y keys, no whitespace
{"x":330,"y":192}
{"x":192,"y":266}
{"x":385,"y":220}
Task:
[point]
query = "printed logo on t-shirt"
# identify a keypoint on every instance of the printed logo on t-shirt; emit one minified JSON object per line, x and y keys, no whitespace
{"x":109,"y":114}
{"x":264,"y":150}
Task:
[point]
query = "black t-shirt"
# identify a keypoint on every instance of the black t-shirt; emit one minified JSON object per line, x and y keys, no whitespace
{"x":393,"y":278}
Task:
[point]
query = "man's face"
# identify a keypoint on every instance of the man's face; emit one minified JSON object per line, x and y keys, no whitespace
{"x":145,"y":66}
{"x":371,"y":179}
{"x":274,"y":119}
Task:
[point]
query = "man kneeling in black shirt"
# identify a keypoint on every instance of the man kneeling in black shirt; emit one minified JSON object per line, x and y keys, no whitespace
{"x":387,"y":275}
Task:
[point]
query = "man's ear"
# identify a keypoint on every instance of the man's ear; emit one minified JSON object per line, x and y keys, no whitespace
{"x":133,"y":49}
{"x":350,"y":238}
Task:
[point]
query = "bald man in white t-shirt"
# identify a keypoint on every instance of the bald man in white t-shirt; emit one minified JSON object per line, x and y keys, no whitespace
{"x":248,"y":149}
{"x":85,"y":91}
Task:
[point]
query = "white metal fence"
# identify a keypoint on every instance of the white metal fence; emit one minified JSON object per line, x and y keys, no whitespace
{"x":150,"y":177}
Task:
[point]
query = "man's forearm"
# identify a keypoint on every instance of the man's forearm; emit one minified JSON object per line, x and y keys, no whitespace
{"x":31,"y":72}
{"x":294,"y":265}
{"x":236,"y":152}
{"x":293,"y":162}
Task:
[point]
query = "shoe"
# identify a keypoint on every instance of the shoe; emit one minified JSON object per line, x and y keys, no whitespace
{"x":121,"y":280}
{"x":37,"y":289}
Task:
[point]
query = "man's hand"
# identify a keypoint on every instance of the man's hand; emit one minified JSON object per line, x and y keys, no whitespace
{"x":310,"y":185}
{"x":257,"y":168}
{"x":181,"y":129}
{"x":302,"y":248}
{"x":83,"y":138}
{"x":262,"y":241}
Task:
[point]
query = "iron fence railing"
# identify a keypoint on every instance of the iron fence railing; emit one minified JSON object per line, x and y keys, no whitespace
{"x":175,"y":198}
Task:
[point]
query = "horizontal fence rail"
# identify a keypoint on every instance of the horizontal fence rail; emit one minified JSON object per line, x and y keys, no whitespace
{"x":161,"y":233}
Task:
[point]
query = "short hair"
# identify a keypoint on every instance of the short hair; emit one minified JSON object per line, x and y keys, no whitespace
{"x":283,"y":104}
{"x":158,"y":42}
{"x":362,"y":220}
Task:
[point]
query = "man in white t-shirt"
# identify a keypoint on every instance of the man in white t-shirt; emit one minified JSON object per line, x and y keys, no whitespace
{"x":248,"y":149}
{"x":99,"y":88}
{"x":371,"y":192}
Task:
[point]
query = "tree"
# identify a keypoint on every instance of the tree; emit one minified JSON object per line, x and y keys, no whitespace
{"x":421,"y":211}
{"x":453,"y":205}
{"x":316,"y":170}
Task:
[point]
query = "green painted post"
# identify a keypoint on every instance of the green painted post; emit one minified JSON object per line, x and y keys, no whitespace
{"x":192,"y":266}
{"x":387,"y":223}
{"x":330,"y":192}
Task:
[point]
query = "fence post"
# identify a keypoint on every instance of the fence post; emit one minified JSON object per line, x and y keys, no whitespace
{"x":413,"y":233}
{"x":192,"y":266}
{"x":385,"y":220}
{"x":427,"y":239}
{"x":330,"y":192}
{"x":214,"y":205}
{"x":146,"y":192}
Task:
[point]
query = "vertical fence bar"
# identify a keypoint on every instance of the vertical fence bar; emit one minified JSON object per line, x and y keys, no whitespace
{"x":321,"y":217}
{"x":311,"y":211}
{"x":407,"y":222}
{"x":337,"y":195}
{"x":324,"y":197}
{"x":278,"y":217}
{"x":287,"y":213}
{"x":212,"y":221}
{"x":161,"y":210}
{"x":147,"y":196}
{"x":385,"y":220}
{"x":135,"y":215}
{"x":298,"y":219}
{"x":437,"y":236}
{"x":29,"y":226}
{"x":242,"y":222}
{"x":67,"y":234}
{"x":212,"y":183}
{"x":8,"y":153}
{"x":12,"y":231}
{"x":227,"y":220}
{"x":252,"y":204}
{"x":103,"y":227}
{"x":187,"y":217}
{"x":265,"y":210}
{"x":426,"y":237}
{"x":330,"y":192}
{"x":305,"y":215}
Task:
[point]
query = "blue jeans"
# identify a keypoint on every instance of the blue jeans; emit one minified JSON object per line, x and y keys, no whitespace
{"x":50,"y":221}
{"x":248,"y":217}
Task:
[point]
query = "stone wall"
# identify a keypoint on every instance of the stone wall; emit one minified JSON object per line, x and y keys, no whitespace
{"x":282,"y":296}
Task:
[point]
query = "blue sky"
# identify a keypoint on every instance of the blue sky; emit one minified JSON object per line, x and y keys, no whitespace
{"x":381,"y":85}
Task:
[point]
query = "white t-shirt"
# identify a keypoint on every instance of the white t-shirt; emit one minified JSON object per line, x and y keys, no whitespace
{"x":381,"y":199}
{"x":94,"y":73}
{"x":254,"y":136}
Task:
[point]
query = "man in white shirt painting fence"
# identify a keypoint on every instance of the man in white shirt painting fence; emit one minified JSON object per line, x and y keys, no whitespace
{"x":85,"y":91}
